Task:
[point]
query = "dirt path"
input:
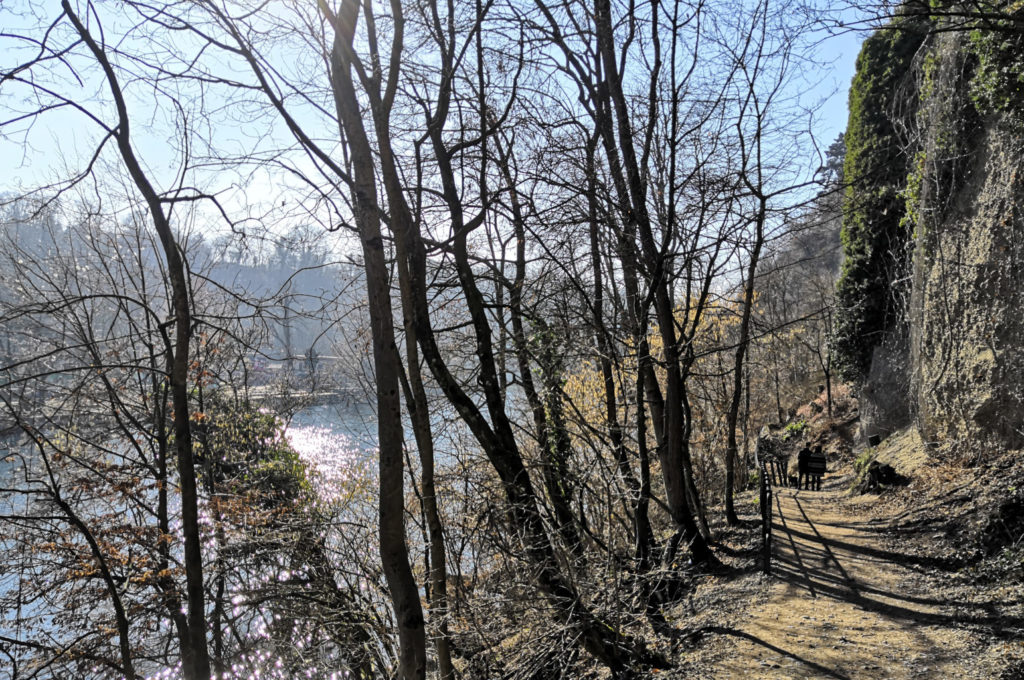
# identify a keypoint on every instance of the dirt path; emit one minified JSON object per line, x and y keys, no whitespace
{"x":843,"y":606}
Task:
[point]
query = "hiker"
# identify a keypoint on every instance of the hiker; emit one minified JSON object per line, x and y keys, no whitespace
{"x":801,"y":466}
{"x":816,"y":465}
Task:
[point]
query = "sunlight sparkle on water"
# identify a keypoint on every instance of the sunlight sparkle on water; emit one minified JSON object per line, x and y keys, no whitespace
{"x":333,"y":459}
{"x":341,"y":471}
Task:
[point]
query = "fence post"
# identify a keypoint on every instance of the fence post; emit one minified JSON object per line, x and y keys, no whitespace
{"x":765,"y":489}
{"x":767,"y":520}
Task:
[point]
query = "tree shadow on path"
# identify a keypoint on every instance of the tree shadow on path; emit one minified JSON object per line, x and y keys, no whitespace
{"x":817,"y":564}
{"x":822,"y":670}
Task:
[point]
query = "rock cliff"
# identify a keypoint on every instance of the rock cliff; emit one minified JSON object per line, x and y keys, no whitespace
{"x":955,"y":361}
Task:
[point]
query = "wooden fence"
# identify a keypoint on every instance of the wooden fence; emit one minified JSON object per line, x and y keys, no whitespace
{"x":767,"y":466}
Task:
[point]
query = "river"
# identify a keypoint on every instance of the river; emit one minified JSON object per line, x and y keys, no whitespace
{"x":337,"y":444}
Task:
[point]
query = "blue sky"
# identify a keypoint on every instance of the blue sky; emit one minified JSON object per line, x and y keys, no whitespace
{"x":841,"y":53}
{"x":60,"y":138}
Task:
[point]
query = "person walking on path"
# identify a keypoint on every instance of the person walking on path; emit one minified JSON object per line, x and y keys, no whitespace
{"x":801,"y":465}
{"x":816,"y":465}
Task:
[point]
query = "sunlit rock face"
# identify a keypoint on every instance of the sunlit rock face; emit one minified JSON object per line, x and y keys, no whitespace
{"x":968,"y":288}
{"x":969,"y":350}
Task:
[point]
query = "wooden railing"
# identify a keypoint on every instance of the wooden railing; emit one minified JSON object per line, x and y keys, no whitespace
{"x":765,"y":462}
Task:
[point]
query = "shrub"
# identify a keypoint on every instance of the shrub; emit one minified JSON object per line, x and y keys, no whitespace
{"x":754,"y":479}
{"x":860,"y":465}
{"x":244,"y":449}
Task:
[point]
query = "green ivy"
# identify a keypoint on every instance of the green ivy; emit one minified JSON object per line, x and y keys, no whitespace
{"x":998,"y":82}
{"x":912,"y":195}
{"x":874,"y":233}
{"x":949,"y":124}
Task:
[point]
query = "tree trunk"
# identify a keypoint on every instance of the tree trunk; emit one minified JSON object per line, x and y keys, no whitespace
{"x":552,"y":441}
{"x":498,"y":442}
{"x":394,"y":552}
{"x":737,"y":384}
{"x":195,"y":656}
{"x":643,"y":535}
{"x":422,"y":430}
{"x":632,"y":195}
{"x":746,"y":421}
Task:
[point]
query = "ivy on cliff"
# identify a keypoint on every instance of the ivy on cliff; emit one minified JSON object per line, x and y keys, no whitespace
{"x":874,"y":234}
{"x":998,"y":45}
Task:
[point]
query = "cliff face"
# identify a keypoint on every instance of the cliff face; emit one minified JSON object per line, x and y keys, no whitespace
{"x":873,"y":283}
{"x":967,"y":324}
{"x":965,"y":199}
{"x":962,"y":347}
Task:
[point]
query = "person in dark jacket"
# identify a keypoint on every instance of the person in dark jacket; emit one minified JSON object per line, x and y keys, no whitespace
{"x":816,"y":465}
{"x":801,"y":466}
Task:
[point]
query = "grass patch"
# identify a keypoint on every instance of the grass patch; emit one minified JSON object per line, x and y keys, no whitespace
{"x":860,"y":466}
{"x":794,"y":430}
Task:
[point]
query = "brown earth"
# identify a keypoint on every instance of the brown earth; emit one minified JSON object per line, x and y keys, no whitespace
{"x":846,"y":601}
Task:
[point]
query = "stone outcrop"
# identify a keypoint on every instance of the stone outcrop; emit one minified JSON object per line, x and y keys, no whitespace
{"x":967,"y":301}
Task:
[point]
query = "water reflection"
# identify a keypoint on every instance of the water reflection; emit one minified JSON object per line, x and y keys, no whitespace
{"x":338,"y":447}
